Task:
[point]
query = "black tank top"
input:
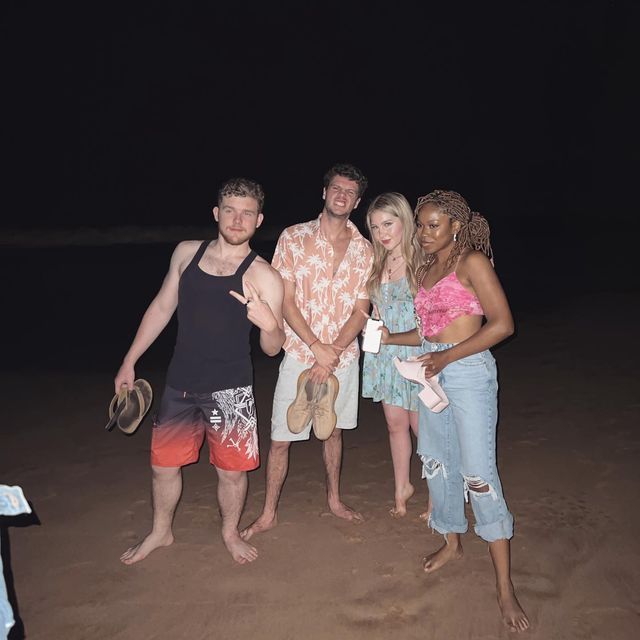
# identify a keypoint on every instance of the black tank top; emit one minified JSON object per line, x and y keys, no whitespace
{"x":212,"y":348}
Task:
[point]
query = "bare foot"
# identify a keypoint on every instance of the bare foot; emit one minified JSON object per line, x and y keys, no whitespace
{"x":448,"y":551}
{"x":261,"y":524}
{"x":424,"y":516}
{"x":341,"y":510}
{"x":141,"y":550}
{"x":400,"y":510}
{"x":512,"y":614}
{"x":240,"y":551}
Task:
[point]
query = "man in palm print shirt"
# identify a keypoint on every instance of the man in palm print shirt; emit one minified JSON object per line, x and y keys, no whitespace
{"x":324,"y":264}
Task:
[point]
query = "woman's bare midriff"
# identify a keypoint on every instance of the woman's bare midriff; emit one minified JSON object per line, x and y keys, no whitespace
{"x":459,"y":330}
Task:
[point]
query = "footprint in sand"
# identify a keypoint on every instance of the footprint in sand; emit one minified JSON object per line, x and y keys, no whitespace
{"x":354,"y":538}
{"x":349,"y":536}
{"x":540,"y":585}
{"x":129,"y":534}
{"x":374,"y":465}
{"x":378,"y":606}
{"x":386,"y":570}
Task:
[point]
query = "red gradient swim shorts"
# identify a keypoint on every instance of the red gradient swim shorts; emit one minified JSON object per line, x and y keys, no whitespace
{"x":227,"y":418}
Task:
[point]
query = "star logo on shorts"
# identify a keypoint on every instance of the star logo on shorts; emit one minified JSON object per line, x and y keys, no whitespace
{"x":215,"y":418}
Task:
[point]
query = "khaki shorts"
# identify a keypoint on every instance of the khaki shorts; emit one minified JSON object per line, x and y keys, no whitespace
{"x":346,"y":403}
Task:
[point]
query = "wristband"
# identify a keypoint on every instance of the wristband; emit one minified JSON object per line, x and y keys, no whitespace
{"x":311,"y":345}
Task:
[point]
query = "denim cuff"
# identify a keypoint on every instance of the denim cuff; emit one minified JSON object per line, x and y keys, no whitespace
{"x":444,"y":529}
{"x":501,"y":530}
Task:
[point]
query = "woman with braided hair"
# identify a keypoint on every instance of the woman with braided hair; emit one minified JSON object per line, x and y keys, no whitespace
{"x":457,"y":288}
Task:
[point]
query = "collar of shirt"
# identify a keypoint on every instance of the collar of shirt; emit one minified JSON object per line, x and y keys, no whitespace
{"x":355,"y":232}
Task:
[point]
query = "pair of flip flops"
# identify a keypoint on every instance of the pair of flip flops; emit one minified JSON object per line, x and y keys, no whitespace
{"x":129,"y":406}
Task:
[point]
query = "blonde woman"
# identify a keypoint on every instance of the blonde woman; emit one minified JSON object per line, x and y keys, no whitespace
{"x":392,"y":286}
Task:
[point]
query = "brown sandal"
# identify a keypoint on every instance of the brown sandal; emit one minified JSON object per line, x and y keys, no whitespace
{"x":128,"y":408}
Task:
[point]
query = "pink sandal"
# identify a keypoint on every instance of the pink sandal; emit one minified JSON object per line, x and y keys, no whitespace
{"x":432,"y":396}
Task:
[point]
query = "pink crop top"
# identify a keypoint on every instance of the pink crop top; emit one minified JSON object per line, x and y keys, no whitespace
{"x":447,"y":300}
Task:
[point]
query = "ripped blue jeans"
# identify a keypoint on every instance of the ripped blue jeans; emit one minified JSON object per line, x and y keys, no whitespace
{"x":458,"y":449}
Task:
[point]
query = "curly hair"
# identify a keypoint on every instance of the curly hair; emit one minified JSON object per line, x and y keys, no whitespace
{"x":242,"y":188}
{"x":394,"y":204}
{"x":351,"y":173}
{"x":474,"y":229}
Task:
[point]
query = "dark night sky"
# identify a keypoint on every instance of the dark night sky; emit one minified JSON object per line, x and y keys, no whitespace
{"x":117,"y":115}
{"x":135,"y":114}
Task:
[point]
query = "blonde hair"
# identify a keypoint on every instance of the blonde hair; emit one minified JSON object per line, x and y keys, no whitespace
{"x":394,"y":204}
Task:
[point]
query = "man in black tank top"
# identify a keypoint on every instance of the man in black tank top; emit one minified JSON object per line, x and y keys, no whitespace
{"x":219,"y":289}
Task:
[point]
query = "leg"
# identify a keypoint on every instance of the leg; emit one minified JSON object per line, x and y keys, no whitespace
{"x":166,"y":489}
{"x":399,"y":426}
{"x":512,"y":614}
{"x":232,"y":491}
{"x":277,"y":467}
{"x":487,"y":502}
{"x":477,"y":431}
{"x":439,"y":451}
{"x":346,"y":407}
{"x":332,"y":455}
{"x":449,"y":505}
{"x":413,"y":422}
{"x":278,"y":460}
{"x":176,"y":438}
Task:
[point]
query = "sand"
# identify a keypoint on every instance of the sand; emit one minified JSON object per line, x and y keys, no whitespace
{"x":568,"y":451}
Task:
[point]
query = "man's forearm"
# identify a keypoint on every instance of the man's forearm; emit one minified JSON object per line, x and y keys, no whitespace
{"x":296,"y":321}
{"x":325,"y":355}
{"x":352,"y":327}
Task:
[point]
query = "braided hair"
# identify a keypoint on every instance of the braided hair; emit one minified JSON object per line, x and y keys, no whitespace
{"x":474,"y":228}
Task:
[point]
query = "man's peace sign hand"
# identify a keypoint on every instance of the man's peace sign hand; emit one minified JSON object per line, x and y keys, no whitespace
{"x":258,"y":310}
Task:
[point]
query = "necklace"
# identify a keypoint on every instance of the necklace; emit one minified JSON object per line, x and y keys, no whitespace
{"x":390,"y":268}
{"x":393,"y":267}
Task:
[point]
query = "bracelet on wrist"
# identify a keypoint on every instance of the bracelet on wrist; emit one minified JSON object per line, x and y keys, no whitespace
{"x":312,"y":343}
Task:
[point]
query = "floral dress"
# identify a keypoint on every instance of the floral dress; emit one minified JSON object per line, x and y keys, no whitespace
{"x":380,"y":378}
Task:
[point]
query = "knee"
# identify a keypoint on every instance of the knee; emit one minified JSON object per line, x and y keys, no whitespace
{"x":165,"y":473}
{"x":397,"y":419}
{"x":433,"y":467}
{"x":478,"y":486}
{"x":397,"y":426}
{"x":231,"y":477}
{"x":279,"y":447}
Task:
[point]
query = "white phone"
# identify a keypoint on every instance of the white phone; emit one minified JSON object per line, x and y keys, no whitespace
{"x":372,"y":336}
